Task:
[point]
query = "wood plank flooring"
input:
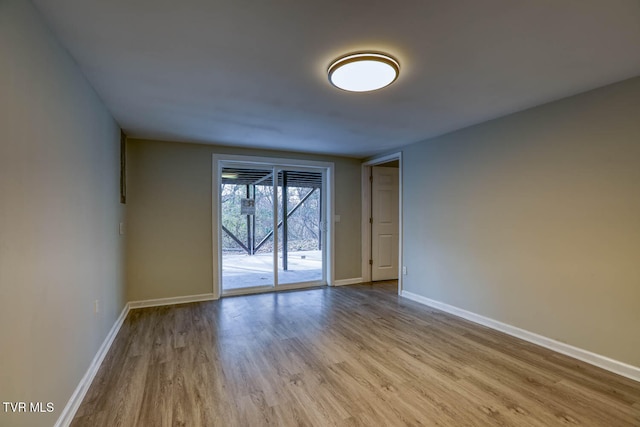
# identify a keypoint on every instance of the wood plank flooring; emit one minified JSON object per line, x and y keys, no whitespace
{"x":349,"y":356}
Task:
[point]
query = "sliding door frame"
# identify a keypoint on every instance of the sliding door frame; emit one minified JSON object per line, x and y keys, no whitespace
{"x":276,"y":164}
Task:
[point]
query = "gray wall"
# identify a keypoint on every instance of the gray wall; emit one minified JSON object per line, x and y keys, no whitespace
{"x":169,"y":228}
{"x":59,"y":214}
{"x":534,"y":220}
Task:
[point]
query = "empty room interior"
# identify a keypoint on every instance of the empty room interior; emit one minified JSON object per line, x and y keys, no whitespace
{"x":228,"y":213}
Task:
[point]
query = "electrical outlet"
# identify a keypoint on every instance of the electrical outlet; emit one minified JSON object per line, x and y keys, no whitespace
{"x":121,"y":229}
{"x":96,"y":306}
{"x":404,"y":270}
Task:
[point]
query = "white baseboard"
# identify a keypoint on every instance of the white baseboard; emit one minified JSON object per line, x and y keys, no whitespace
{"x":615,"y":366}
{"x":171,"y":301}
{"x":343,"y":282}
{"x":69,"y":411}
{"x":80,"y":392}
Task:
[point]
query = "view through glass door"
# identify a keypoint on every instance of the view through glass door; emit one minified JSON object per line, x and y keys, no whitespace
{"x":252,"y":205}
{"x":300,"y":231}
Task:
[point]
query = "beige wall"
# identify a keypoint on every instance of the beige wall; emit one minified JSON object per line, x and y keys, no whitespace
{"x":169,"y":228}
{"x":59,"y":215}
{"x":534,"y":220}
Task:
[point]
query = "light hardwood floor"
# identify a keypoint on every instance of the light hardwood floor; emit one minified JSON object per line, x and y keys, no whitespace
{"x":354,"y":355}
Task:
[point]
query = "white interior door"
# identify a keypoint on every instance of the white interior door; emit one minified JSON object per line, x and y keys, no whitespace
{"x":384,"y":224}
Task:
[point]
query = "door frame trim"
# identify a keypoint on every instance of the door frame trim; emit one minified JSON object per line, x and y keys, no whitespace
{"x":366,"y":214}
{"x":218,"y":159}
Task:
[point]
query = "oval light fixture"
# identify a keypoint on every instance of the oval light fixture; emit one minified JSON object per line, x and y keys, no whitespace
{"x":363,"y":72}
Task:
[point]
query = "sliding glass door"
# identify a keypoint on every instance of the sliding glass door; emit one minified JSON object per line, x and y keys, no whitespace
{"x":272,"y":227}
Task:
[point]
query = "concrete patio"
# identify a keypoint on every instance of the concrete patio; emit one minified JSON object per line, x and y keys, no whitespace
{"x":245,"y":271}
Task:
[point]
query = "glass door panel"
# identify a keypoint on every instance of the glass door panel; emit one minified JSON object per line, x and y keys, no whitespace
{"x":300,"y":239}
{"x":247,"y":218}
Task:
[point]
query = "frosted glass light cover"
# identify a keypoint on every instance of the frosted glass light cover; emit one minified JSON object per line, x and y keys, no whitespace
{"x":363,"y":72}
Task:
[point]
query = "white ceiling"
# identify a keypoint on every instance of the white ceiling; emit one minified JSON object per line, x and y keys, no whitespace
{"x":253,"y":73}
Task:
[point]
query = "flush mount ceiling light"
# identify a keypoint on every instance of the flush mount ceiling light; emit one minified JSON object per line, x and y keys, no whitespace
{"x":363,"y":72}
